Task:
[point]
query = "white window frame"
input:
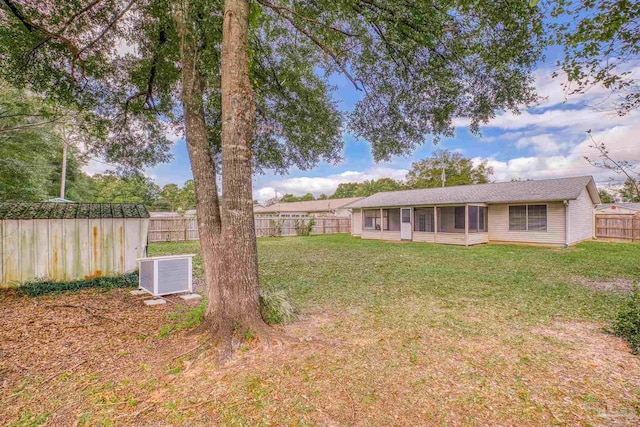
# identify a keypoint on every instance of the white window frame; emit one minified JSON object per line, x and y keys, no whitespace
{"x":526,"y":217}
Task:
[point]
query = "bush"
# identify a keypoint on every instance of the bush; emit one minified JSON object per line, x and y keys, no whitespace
{"x":274,"y":307}
{"x":304,"y":228}
{"x":626,"y":323}
{"x":275,"y":227}
{"x":41,"y":287}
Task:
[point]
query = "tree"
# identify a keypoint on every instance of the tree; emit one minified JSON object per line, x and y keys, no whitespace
{"x":600,"y":41}
{"x":605,"y":196}
{"x":170,"y":197}
{"x":136,"y":189}
{"x":31,"y":151}
{"x":306,"y":198}
{"x":418,"y":66}
{"x":344,"y":190}
{"x":445,"y":168}
{"x":323,"y":196}
{"x":629,"y":192}
{"x":367,"y":188}
{"x":621,"y":167}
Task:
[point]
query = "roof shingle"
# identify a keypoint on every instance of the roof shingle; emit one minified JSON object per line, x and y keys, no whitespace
{"x":499,"y":192}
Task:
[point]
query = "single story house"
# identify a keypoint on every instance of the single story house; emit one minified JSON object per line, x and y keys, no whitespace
{"x":313,"y":208}
{"x":550,"y":212}
{"x":618,"y":209}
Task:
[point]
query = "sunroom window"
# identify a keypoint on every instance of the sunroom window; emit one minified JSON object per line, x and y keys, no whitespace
{"x":423,"y":220}
{"x":372,"y":219}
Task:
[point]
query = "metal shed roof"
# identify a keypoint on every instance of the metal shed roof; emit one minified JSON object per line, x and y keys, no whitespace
{"x":47,"y":210}
{"x":499,"y":192}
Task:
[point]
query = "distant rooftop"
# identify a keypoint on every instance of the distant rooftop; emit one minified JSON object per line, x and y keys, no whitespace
{"x":499,"y":192}
{"x":625,"y":205}
{"x":56,"y":210}
{"x":326,"y":205}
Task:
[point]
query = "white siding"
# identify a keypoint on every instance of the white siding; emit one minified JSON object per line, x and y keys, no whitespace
{"x":423,"y":236}
{"x":450,"y":238}
{"x":477,"y":238}
{"x":356,"y":222}
{"x":581,"y":219}
{"x":381,"y":235}
{"x":499,"y":226}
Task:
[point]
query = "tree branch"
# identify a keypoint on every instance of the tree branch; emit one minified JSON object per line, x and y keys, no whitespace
{"x":317,"y":42}
{"x":306,"y":18}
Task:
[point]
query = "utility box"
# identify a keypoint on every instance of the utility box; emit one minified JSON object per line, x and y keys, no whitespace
{"x":165,"y":275}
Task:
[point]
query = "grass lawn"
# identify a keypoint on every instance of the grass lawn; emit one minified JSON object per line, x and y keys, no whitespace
{"x":390,"y":334}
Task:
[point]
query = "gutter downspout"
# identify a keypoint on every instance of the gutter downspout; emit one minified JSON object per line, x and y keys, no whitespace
{"x":567,"y":224}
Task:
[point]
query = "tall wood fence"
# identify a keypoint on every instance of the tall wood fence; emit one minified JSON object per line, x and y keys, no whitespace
{"x":183,"y":229}
{"x":618,"y":227}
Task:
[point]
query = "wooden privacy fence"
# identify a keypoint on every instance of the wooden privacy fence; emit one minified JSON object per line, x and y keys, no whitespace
{"x":618,"y":227}
{"x":182,"y":229}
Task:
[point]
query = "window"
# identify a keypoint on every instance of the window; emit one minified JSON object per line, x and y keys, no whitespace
{"x":451,"y":219}
{"x":372,"y":219}
{"x":406,"y":215}
{"x":391,"y":219}
{"x":423,"y":220}
{"x":477,"y":219}
{"x":528,"y":218}
{"x":537,"y":217}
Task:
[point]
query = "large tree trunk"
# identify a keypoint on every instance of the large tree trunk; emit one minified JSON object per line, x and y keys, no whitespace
{"x":202,"y":164}
{"x":240,"y":308}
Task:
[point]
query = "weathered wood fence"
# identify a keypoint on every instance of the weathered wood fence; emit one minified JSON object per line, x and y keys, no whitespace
{"x":618,"y":227}
{"x":182,"y":229}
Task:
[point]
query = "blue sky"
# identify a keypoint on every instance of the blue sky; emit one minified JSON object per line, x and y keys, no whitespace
{"x":546,"y":140}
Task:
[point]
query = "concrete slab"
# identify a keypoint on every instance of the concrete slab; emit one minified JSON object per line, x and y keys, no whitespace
{"x":158,"y":301}
{"x":139,"y":292}
{"x":191,"y":297}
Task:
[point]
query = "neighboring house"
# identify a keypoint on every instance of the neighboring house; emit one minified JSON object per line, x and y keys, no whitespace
{"x":191,"y":213}
{"x":313,"y":208}
{"x":70,"y":241}
{"x":551,"y":212}
{"x":618,"y":208}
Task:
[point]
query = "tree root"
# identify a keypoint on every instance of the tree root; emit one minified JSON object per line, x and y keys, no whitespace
{"x":227,"y":336}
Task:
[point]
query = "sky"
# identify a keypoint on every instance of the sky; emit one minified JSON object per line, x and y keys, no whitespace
{"x":544,"y":141}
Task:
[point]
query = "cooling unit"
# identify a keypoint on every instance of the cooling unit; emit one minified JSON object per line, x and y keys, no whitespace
{"x":166,"y":275}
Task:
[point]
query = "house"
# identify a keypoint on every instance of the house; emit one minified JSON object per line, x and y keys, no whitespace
{"x":313,"y":208}
{"x":618,"y":209}
{"x":550,"y":212}
{"x":70,"y":241}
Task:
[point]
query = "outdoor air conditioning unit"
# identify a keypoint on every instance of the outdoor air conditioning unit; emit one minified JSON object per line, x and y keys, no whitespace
{"x":165,"y":275}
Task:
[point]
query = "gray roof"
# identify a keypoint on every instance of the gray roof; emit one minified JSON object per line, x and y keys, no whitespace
{"x":53,"y":210}
{"x":499,"y":192}
{"x":625,"y":205}
{"x":326,"y":205}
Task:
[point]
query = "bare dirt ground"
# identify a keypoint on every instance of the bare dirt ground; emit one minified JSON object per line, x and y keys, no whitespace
{"x":616,"y":284}
{"x":102,"y":358}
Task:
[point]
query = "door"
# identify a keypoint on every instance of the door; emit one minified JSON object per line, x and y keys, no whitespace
{"x":405,"y":224}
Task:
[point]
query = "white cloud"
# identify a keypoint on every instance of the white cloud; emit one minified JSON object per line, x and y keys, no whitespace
{"x":94,"y":167}
{"x":623,"y":143}
{"x":542,"y":144}
{"x":327,"y":184}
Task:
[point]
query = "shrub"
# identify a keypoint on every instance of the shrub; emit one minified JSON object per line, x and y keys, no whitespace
{"x":41,"y":287}
{"x":626,"y":323}
{"x":275,"y":227}
{"x":304,"y":228}
{"x":274,"y":307}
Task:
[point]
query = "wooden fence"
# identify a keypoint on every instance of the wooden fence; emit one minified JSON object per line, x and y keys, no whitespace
{"x":618,"y":227}
{"x":182,"y":229}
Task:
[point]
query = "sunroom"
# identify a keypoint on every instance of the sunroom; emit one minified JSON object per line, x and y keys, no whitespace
{"x":456,"y":224}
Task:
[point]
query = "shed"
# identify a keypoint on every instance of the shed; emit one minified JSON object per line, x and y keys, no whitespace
{"x":70,"y":241}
